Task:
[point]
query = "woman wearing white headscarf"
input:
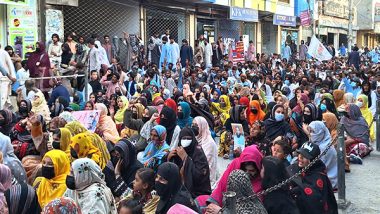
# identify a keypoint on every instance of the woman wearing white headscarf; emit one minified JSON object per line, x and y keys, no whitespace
{"x":208,"y":145}
{"x":88,"y":189}
{"x":320,"y":135}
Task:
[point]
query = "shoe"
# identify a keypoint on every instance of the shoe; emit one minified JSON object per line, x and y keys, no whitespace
{"x":347,"y":170}
{"x":355,"y":159}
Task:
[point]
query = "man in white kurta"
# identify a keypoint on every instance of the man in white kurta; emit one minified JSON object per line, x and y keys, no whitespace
{"x":8,"y":75}
{"x":208,"y":54}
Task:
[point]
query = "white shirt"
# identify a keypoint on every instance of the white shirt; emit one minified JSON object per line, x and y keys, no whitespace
{"x":175,"y":52}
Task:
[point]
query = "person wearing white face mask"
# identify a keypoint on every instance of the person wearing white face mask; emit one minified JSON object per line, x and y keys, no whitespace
{"x":276,"y":126}
{"x":192,"y":161}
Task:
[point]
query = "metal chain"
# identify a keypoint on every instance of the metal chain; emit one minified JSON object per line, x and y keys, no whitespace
{"x":287,"y":181}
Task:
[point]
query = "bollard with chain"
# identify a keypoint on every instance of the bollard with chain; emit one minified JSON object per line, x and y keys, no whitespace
{"x":341,"y":154}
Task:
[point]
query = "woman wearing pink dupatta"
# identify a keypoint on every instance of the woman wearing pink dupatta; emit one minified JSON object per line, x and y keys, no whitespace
{"x":250,"y":154}
{"x":106,"y":127}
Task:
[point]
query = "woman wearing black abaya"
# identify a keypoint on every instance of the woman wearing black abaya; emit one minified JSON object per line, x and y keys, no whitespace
{"x":276,"y":125}
{"x":121,"y":169}
{"x":170,"y":189}
{"x":189,"y":156}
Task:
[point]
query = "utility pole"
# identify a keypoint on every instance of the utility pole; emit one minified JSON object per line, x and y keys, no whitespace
{"x":349,"y":25}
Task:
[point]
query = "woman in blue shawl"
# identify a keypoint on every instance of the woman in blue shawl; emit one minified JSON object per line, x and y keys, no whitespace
{"x":184,"y":118}
{"x":156,"y":151}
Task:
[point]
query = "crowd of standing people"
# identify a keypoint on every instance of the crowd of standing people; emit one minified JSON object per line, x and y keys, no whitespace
{"x":166,"y":112}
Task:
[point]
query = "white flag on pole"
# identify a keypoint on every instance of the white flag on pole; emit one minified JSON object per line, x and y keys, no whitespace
{"x":317,"y":50}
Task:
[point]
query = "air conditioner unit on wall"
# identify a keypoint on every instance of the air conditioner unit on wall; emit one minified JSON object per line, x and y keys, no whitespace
{"x":73,"y":3}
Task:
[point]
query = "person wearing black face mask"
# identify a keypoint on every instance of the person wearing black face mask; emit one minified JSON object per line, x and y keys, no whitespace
{"x":184,"y":118}
{"x":24,"y":109}
{"x":7,"y":121}
{"x":121,"y":169}
{"x":168,"y":119}
{"x":169,"y":187}
{"x":55,"y":168}
{"x":85,"y":185}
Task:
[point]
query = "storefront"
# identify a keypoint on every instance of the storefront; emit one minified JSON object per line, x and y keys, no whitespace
{"x":288,"y":29}
{"x":18,"y":25}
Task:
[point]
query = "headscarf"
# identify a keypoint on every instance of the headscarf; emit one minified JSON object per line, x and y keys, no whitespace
{"x":65,"y":141}
{"x":355,"y":124}
{"x":158,"y":101}
{"x":29,"y":108}
{"x":140,"y":110}
{"x":50,"y":189}
{"x":67,"y":117}
{"x":239,"y":182}
{"x":314,"y":114}
{"x":328,"y":96}
{"x":348,"y":98}
{"x":146,"y":93}
{"x":5,"y":184}
{"x":252,"y":118}
{"x":75,"y":128}
{"x":106,"y":125}
{"x":11,"y":160}
{"x":81,"y":143}
{"x":119,"y":115}
{"x":216,"y":100}
{"x":58,"y":122}
{"x":170,"y":123}
{"x":143,"y":101}
{"x":40,"y":56}
{"x":9,"y":120}
{"x":130,"y":164}
{"x":58,"y":109}
{"x":338,"y":97}
{"x":91,"y":192}
{"x":235,"y":114}
{"x":156,"y":149}
{"x":276,"y":128}
{"x":305,"y":100}
{"x":39,"y":106}
{"x":331,"y":123}
{"x":321,"y":137}
{"x":208,"y":145}
{"x":269,"y":110}
{"x":187,"y":120}
{"x":22,"y":199}
{"x":171,"y":104}
{"x":367,"y":114}
{"x":62,"y":205}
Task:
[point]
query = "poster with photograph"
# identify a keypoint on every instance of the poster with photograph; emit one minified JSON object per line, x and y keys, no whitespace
{"x":238,"y":135}
{"x":88,"y":118}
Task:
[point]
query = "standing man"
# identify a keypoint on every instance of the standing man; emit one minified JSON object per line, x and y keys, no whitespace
{"x":94,"y":60}
{"x":166,"y":53}
{"x":166,"y":34}
{"x":287,"y":52}
{"x":7,"y":70}
{"x":303,"y":51}
{"x":208,"y":54}
{"x":354,"y":58}
{"x":70,"y":41}
{"x":108,"y":47}
{"x":343,"y":50}
{"x":186,"y":53}
{"x":175,"y":50}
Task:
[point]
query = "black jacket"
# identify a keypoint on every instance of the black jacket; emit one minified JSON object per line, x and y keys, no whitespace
{"x":280,"y":202}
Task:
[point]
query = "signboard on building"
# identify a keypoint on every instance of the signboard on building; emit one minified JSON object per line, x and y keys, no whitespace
{"x":305,"y":18}
{"x":22,"y":28}
{"x":15,"y":2}
{"x":284,"y":20}
{"x":336,"y":8}
{"x":244,"y":14}
{"x":377,"y":12}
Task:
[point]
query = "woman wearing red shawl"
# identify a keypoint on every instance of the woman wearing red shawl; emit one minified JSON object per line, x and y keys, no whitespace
{"x":256,"y":114}
{"x":39,"y":66}
{"x":250,"y":162}
{"x":171,"y":104}
{"x":302,"y":100}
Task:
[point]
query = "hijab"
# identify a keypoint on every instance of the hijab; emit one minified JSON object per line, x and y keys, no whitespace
{"x":75,"y":128}
{"x":187,"y":120}
{"x":171,"y":104}
{"x":9,"y":121}
{"x":156,"y":149}
{"x":143,"y":101}
{"x":239,"y":182}
{"x":5,"y":184}
{"x":62,"y":205}
{"x":235,"y":114}
{"x":313,"y":113}
{"x":255,"y":117}
{"x":50,"y":189}
{"x":338,"y":97}
{"x":355,"y":124}
{"x":40,"y":56}
{"x":86,"y":173}
{"x":367,"y":114}
{"x":39,"y":106}
{"x":25,"y":114}
{"x":81,"y":143}
{"x":305,"y":100}
{"x":65,"y":141}
{"x":106,"y":125}
{"x":11,"y":160}
{"x":276,"y":128}
{"x":22,"y":199}
{"x":119,"y":115}
{"x":170,"y":122}
{"x":187,"y":131}
{"x":331,"y":123}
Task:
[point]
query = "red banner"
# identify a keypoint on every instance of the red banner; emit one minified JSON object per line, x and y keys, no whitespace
{"x":238,"y":52}
{"x":305,"y":18}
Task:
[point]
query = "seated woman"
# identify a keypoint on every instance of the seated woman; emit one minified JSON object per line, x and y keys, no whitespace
{"x":123,"y":104}
{"x":7,"y":121}
{"x":276,"y":125}
{"x":120,"y":171}
{"x":362,"y":103}
{"x":106,"y":128}
{"x":62,"y":140}
{"x":255,"y":112}
{"x":331,"y":123}
{"x":184,"y":118}
{"x":320,"y":135}
{"x":141,"y":142}
{"x":5,"y":183}
{"x":85,"y":185}
{"x":52,"y":184}
{"x":356,"y":128}
{"x":170,"y":189}
{"x":81,"y":147}
{"x":55,"y":206}
{"x":191,"y":160}
{"x":314,"y":193}
{"x":22,"y":198}
{"x":157,"y":150}
{"x":133,"y":120}
{"x":279,"y":201}
{"x":208,"y":145}
{"x":250,"y":162}
{"x":141,"y":198}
